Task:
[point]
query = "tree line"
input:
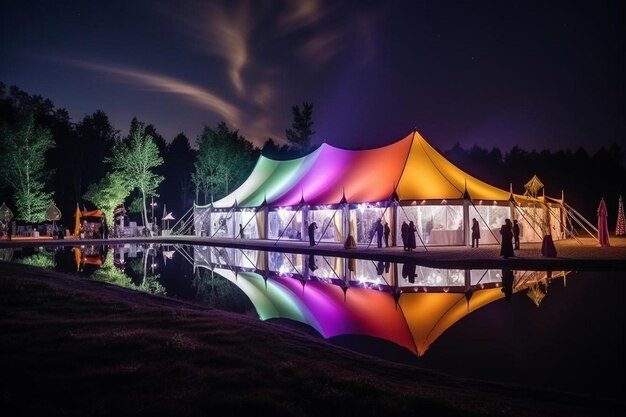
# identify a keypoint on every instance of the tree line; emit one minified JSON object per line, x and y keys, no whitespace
{"x":46,"y":158}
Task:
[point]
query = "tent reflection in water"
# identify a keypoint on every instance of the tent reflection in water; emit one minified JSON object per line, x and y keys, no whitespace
{"x":409,"y":315}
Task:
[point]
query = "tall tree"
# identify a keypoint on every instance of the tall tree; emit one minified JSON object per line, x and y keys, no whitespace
{"x":135,"y":159}
{"x":299,"y":136}
{"x":95,"y":140}
{"x":23,"y":168}
{"x":177,"y":188}
{"x":223,"y":161}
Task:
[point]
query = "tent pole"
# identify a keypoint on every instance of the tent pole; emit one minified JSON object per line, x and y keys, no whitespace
{"x":332,"y":219}
{"x":256,"y":210}
{"x":288,"y":223}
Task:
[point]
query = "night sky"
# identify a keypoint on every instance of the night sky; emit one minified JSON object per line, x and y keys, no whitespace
{"x":540,"y":75}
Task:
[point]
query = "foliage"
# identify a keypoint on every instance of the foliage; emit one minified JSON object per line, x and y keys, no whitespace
{"x":38,"y":259}
{"x":95,"y":138}
{"x":108,"y":194}
{"x":302,"y":127}
{"x":108,"y":272}
{"x":224,"y":159}
{"x":14,"y":105}
{"x":177,"y":170}
{"x":23,"y":168}
{"x":151,"y":284}
{"x":134,"y":159}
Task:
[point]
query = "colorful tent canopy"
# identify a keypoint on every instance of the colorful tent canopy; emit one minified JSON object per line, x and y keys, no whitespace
{"x":411,"y":167}
{"x":414,"y":323}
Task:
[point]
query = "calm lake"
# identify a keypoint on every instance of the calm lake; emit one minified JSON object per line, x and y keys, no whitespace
{"x":562,"y":330}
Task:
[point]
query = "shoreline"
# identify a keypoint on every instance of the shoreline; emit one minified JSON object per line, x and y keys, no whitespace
{"x":582,"y":254}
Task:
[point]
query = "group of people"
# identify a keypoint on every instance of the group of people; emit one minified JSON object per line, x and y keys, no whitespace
{"x":407,"y":233}
{"x":510,"y":238}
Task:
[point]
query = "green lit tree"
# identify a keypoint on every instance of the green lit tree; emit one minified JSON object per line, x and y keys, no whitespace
{"x":134,"y":160}
{"x":109,"y":193}
{"x":23,"y":168}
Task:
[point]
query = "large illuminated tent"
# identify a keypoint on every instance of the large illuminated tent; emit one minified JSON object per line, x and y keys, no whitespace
{"x":346,"y":191}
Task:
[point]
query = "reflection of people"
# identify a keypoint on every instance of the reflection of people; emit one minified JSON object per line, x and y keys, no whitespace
{"x":379,"y":233}
{"x":387,"y":233}
{"x":404,"y":233}
{"x":312,"y":228}
{"x":475,"y":232}
{"x":410,"y":238}
{"x":507,"y":283}
{"x":312,"y":265}
{"x":408,"y":272}
{"x":350,"y":243}
{"x":515,"y":234}
{"x":506,"y":246}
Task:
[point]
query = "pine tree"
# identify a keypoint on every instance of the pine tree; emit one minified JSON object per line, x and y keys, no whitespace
{"x":302,"y":127}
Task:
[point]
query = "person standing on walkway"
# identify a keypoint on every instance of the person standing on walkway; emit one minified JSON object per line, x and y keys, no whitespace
{"x":9,"y":229}
{"x":379,"y":233}
{"x":515,"y":234}
{"x":387,"y":233}
{"x":475,"y":232}
{"x":312,"y":228}
{"x":410,"y":239}
{"x":404,"y":233}
{"x":506,"y":248}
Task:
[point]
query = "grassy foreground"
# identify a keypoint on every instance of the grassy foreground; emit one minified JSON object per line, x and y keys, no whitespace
{"x":72,"y":346}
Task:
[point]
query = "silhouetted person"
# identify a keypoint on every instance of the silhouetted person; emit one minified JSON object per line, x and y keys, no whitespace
{"x":379,"y":233}
{"x":547,"y":247}
{"x":387,"y":233}
{"x":515,"y":234}
{"x":9,"y":230}
{"x":507,"y":283}
{"x":404,"y":234}
{"x":475,"y":233}
{"x":350,"y":243}
{"x":506,"y":248}
{"x":312,"y":228}
{"x":240,"y":231}
{"x":410,"y":238}
{"x":387,"y":267}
